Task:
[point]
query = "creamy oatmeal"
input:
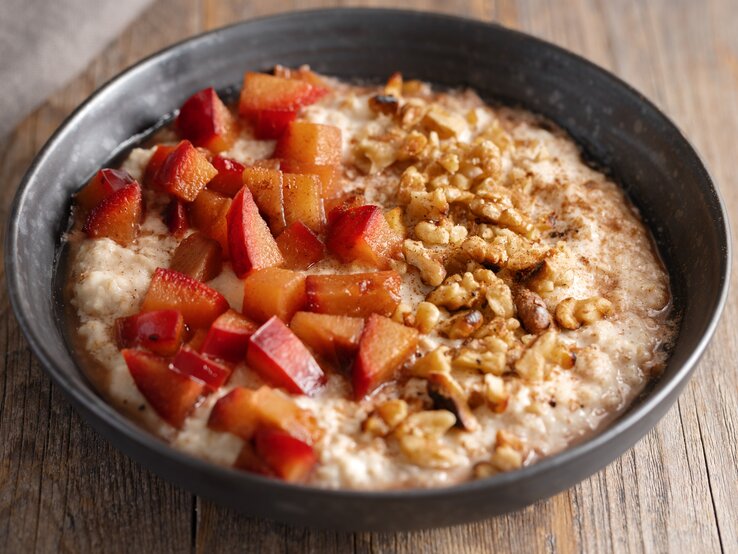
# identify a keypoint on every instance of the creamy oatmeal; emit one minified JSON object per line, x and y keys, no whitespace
{"x":511,"y":302}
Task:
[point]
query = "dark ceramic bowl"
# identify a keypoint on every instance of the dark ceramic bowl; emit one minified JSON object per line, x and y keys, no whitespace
{"x":617,"y":127}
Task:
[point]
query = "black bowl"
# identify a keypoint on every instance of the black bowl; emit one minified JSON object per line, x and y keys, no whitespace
{"x":616,"y":126}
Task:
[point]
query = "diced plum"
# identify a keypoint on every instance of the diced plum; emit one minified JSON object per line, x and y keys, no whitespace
{"x":267,"y":92}
{"x":249,"y":460}
{"x":185,"y":172}
{"x":384,"y":347}
{"x":356,"y":295}
{"x":363,"y":234}
{"x":170,"y":290}
{"x":302,"y":74}
{"x":229,"y":179}
{"x":265,"y":185}
{"x":176,"y":218}
{"x":161,"y":331}
{"x":329,"y":175}
{"x":334,"y":207}
{"x":289,"y":458}
{"x":199,"y":257}
{"x":250,"y":244}
{"x":171,"y":394}
{"x":197,"y":339}
{"x":310,"y":143}
{"x":300,"y":247}
{"x":303,"y":200}
{"x":273,"y":291}
{"x":209,"y":213}
{"x":333,"y":337}
{"x":281,"y":359}
{"x":161,"y":153}
{"x":103,"y":184}
{"x":118,"y":216}
{"x":205,"y":121}
{"x":271,"y":124}
{"x":198,"y":366}
{"x":234,"y":413}
{"x":228,"y":337}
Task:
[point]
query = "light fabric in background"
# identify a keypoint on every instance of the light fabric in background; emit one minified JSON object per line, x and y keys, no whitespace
{"x":44,"y":43}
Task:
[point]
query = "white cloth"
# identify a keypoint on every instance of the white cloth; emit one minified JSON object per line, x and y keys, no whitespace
{"x":44,"y":43}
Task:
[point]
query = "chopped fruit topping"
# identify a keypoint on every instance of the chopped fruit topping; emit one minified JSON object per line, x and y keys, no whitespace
{"x":363,"y":234}
{"x":333,"y":337}
{"x":300,"y":247}
{"x":273,"y":291}
{"x":185,"y":172}
{"x":280,"y":358}
{"x":234,"y":413}
{"x":205,"y":121}
{"x":199,"y":257}
{"x":328,"y":175}
{"x":357,"y":294}
{"x":302,"y":74}
{"x":118,"y":216}
{"x":229,"y":179}
{"x":287,"y":457}
{"x":250,"y":243}
{"x":103,"y":184}
{"x":161,"y":331}
{"x":209,"y":214}
{"x":242,"y":410}
{"x":384,"y":347}
{"x":171,"y":394}
{"x":249,"y":460}
{"x":176,"y":219}
{"x":310,"y":143}
{"x":160,"y":154}
{"x":198,"y":366}
{"x":270,"y":124}
{"x":197,"y":339}
{"x":228,"y":337}
{"x":303,"y":200}
{"x":265,"y":185}
{"x":334,"y":207}
{"x":171,"y":290}
{"x":267,"y":92}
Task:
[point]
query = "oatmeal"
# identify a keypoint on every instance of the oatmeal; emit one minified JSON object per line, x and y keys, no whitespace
{"x":365,"y":287}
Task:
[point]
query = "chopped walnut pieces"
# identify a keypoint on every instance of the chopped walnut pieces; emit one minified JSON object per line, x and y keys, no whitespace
{"x":427,"y":205}
{"x":483,"y":252}
{"x":435,"y":361}
{"x":572,"y":314}
{"x":482,"y":470}
{"x":496,"y":393}
{"x":386,"y":104}
{"x":462,"y":325}
{"x":546,"y":276}
{"x":446,"y":124}
{"x":411,"y":181}
{"x":532,"y":311}
{"x":427,"y":316}
{"x":393,"y":412}
{"x":419,"y":438}
{"x":431,"y":270}
{"x":456,"y":292}
{"x":507,"y":454}
{"x":485,"y":362}
{"x":374,"y":155}
{"x":432,"y":233}
{"x":514,"y":220}
{"x":412,"y":146}
{"x":403,"y":314}
{"x":542,"y":355}
{"x":447,"y":394}
{"x":412,"y":113}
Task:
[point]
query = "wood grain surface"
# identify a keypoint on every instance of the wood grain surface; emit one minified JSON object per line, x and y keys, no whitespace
{"x":64,"y":489}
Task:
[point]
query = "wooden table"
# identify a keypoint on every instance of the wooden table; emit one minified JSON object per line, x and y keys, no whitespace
{"x":63,"y":488}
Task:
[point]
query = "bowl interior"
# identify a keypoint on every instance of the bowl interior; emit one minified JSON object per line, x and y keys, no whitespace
{"x":615,"y":126}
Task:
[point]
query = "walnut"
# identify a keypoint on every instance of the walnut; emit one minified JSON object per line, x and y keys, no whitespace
{"x":394,"y":220}
{"x":572,"y":314}
{"x":496,"y":393}
{"x":411,"y":181}
{"x":532,"y":311}
{"x":432,"y":233}
{"x":443,"y":122}
{"x":424,"y":205}
{"x":431,"y":270}
{"x":462,"y":325}
{"x":485,"y":362}
{"x":435,"y":361}
{"x":507,"y":455}
{"x":483,"y":252}
{"x":393,"y":87}
{"x":412,"y":146}
{"x":516,"y":221}
{"x":374,"y":155}
{"x":542,"y":355}
{"x":384,"y":104}
{"x":427,"y":316}
{"x":457,"y":291}
{"x":419,"y":437}
{"x":447,"y":394}
{"x":412,"y":113}
{"x":393,"y":412}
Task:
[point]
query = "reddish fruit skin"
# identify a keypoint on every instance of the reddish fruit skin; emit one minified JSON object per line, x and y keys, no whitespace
{"x":267,"y":92}
{"x":310,"y":143}
{"x":356,"y":295}
{"x":280,"y":358}
{"x":289,"y":458}
{"x":234,"y":413}
{"x":273,"y":291}
{"x":184,"y":172}
{"x":118,"y":216}
{"x":228,"y":181}
{"x":160,"y":154}
{"x":205,"y":121}
{"x":383,"y":349}
{"x":199,"y":304}
{"x":271,"y":124}
{"x":300,"y":247}
{"x":265,"y":185}
{"x":176,"y":218}
{"x":198,"y":366}
{"x":171,"y":394}
{"x":335,"y":207}
{"x":103,"y":184}
{"x":333,"y":337}
{"x":362,"y":233}
{"x":250,"y":244}
{"x":197,"y":339}
{"x":161,"y":331}
{"x":228,"y":337}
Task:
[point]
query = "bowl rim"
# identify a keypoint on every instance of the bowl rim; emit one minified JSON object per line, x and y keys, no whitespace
{"x":88,"y":400}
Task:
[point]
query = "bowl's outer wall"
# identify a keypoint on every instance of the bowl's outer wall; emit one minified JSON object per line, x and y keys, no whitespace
{"x":616,"y":126}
